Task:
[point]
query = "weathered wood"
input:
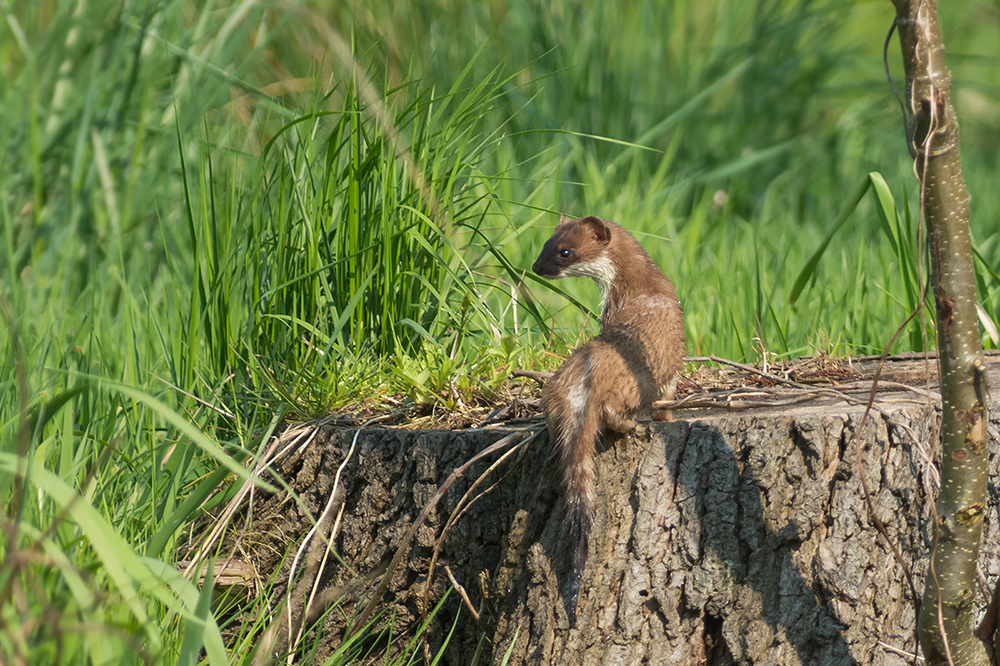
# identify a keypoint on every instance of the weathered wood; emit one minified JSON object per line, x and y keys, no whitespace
{"x":719,"y":538}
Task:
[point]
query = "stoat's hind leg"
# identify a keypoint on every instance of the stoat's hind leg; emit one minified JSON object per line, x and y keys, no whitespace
{"x":616,"y":420}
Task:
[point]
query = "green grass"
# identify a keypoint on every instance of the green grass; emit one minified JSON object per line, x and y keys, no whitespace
{"x":212,"y":220}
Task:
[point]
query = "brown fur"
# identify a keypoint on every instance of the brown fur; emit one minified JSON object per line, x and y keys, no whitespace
{"x":636,"y":358}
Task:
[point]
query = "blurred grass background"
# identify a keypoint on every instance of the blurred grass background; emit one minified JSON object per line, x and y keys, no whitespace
{"x":217,"y":215}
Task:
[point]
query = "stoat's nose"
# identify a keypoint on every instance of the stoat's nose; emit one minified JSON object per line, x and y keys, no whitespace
{"x":544,"y":268}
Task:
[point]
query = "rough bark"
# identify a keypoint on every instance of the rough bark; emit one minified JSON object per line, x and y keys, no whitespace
{"x":932,"y":134}
{"x":720,"y":538}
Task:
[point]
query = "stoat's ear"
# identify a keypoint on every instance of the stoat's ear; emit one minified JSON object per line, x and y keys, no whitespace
{"x":597,"y":227}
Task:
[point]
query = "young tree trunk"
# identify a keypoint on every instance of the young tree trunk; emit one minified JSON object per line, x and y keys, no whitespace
{"x":932,"y":134}
{"x":724,"y":537}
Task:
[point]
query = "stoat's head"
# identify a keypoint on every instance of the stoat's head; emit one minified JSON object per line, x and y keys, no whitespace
{"x":578,"y":247}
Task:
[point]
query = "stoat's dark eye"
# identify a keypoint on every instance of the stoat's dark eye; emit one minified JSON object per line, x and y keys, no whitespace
{"x":565,"y":252}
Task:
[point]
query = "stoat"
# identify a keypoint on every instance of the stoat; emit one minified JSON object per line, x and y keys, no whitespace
{"x":636,"y":358}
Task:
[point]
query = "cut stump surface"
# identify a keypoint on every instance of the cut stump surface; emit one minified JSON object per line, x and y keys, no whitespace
{"x":722,"y":537}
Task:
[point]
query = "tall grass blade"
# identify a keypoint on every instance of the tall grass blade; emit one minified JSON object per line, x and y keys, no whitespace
{"x":809,"y":269}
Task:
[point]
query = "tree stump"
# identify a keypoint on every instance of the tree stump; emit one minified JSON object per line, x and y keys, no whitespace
{"x":723,"y":537}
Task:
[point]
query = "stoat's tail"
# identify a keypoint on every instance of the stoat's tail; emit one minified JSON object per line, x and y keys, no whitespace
{"x":580,"y":516}
{"x":574,"y":423}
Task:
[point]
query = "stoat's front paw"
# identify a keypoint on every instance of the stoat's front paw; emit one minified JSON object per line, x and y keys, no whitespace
{"x":663,"y":415}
